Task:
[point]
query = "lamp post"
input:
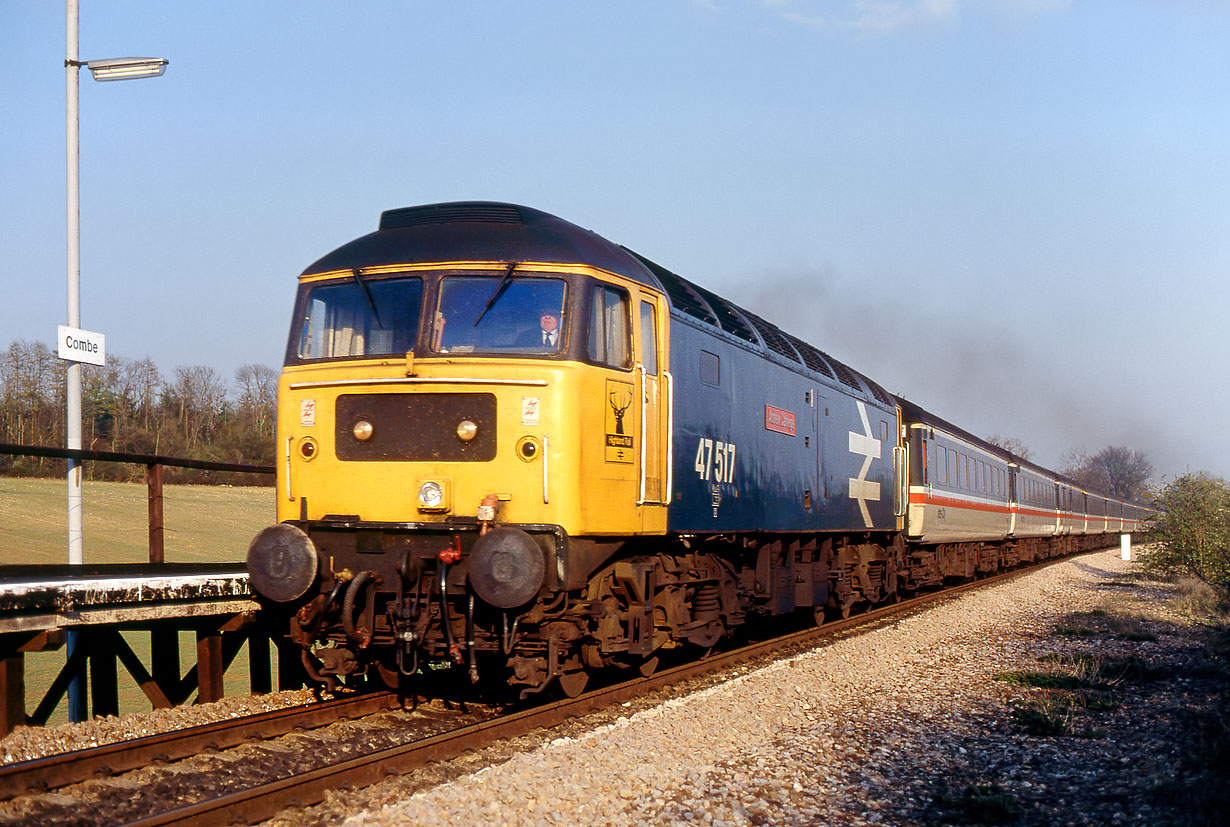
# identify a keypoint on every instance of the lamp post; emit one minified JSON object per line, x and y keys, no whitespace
{"x":125,"y":68}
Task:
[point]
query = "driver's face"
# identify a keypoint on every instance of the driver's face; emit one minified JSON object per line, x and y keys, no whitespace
{"x":549,"y":322}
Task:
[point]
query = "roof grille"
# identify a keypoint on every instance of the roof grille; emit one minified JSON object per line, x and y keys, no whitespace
{"x":845,"y":376}
{"x":774,"y":339}
{"x":449,"y":213}
{"x":727,"y":314}
{"x":878,"y":392}
{"x":683,"y":294}
{"x":811,"y":357}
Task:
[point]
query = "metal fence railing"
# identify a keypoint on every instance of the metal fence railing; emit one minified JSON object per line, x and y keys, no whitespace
{"x":154,"y":466}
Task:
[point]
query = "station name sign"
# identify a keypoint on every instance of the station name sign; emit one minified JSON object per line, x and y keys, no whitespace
{"x":82,"y":346}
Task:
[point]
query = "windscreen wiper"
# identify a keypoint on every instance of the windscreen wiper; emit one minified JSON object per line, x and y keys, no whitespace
{"x":499,"y":291}
{"x":368,"y":295}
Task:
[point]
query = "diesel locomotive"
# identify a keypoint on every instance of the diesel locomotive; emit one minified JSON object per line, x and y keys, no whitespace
{"x":507,"y":443}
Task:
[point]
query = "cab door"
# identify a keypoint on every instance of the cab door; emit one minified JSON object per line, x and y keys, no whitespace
{"x":655,"y":394}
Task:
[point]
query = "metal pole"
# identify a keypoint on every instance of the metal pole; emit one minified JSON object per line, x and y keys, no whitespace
{"x":77,"y":689}
{"x":72,"y":75}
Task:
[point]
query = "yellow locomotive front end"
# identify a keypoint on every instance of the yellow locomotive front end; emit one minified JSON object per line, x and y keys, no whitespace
{"x":492,"y":407}
{"x":460,"y":443}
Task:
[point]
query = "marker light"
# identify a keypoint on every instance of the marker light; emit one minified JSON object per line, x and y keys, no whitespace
{"x":527,"y":448}
{"x":363,"y":430}
{"x":466,"y":430}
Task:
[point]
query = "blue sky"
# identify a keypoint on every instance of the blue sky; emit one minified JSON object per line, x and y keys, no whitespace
{"x":1014,"y":212}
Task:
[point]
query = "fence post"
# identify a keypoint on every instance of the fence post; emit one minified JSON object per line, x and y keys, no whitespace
{"x":153,"y":478}
{"x":209,"y":666}
{"x":12,"y":692}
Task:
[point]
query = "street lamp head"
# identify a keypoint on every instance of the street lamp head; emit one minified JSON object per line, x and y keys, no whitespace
{"x":126,"y":68}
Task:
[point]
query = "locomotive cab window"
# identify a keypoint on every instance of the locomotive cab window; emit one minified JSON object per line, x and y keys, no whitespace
{"x":649,"y":339}
{"x":359,"y":317}
{"x":610,"y":338}
{"x":507,"y":314}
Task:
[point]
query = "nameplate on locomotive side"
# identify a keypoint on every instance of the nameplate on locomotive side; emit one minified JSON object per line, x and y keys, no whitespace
{"x":783,"y":422}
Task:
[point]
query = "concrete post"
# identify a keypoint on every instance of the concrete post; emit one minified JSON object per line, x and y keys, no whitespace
{"x":1125,"y":546}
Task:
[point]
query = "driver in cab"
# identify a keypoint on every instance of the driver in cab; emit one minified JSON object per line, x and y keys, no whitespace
{"x":545,"y":336}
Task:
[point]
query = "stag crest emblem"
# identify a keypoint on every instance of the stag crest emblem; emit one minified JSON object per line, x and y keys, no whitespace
{"x":620,"y":408}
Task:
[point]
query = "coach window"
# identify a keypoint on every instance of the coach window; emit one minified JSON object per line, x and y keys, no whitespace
{"x":609,"y":333}
{"x":649,"y":338}
{"x":952,"y":467}
{"x":941,"y":464}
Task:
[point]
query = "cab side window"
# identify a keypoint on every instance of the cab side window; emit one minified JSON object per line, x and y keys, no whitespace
{"x":610,"y":334}
{"x":649,"y":338}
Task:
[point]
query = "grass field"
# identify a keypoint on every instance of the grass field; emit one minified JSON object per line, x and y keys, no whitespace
{"x":202,"y":524}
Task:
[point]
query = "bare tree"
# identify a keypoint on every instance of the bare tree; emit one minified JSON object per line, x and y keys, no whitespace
{"x":258,"y":396}
{"x":1115,"y":470}
{"x":199,"y":398}
{"x":1012,"y":445}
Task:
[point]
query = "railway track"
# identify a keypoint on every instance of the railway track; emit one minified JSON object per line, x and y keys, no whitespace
{"x":264,"y":800}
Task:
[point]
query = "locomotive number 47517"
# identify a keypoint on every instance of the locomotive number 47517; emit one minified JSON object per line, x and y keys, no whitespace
{"x":715,"y":460}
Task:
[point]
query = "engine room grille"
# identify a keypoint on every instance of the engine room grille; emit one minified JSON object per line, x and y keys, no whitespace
{"x":449,"y":213}
{"x":728,"y":315}
{"x":683,"y":296}
{"x":811,"y":357}
{"x":774,"y":339}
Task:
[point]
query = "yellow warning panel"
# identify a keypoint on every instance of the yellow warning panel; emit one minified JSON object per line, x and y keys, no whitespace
{"x":620,"y":418}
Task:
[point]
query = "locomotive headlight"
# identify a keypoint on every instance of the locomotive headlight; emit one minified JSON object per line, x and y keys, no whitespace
{"x":434,"y":495}
{"x":362,"y":430}
{"x":466,"y":430}
{"x":431,"y":494}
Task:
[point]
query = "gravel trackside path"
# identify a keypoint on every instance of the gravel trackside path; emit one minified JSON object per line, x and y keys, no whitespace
{"x":902,"y":725}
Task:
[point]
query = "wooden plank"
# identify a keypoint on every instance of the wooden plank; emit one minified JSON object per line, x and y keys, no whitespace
{"x":148,"y":685}
{"x":153,"y":479}
{"x":12,"y":692}
{"x":164,"y":659}
{"x":209,"y":668}
{"x":73,"y":665}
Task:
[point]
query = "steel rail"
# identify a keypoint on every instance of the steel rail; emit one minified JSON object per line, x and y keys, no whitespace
{"x":109,"y":759}
{"x":263,"y":801}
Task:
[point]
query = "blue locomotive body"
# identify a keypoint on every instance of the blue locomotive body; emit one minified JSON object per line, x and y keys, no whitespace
{"x":763,"y":445}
